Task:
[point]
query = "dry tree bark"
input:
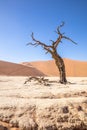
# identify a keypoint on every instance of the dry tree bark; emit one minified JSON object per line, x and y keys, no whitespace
{"x":52,"y":49}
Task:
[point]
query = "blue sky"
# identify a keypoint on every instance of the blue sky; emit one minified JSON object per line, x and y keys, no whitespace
{"x":19,"y":18}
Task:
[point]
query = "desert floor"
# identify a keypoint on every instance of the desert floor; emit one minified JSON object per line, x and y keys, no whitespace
{"x":35,"y":106}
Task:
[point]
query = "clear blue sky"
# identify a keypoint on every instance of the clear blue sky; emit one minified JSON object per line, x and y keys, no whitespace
{"x":18,"y":18}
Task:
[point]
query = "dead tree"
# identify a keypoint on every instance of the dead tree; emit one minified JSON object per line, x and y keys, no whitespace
{"x":52,"y":49}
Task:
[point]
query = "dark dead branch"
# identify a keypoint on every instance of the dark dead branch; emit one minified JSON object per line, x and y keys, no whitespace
{"x":40,"y":80}
{"x":58,"y":28}
{"x":37,"y":43}
{"x":67,"y":38}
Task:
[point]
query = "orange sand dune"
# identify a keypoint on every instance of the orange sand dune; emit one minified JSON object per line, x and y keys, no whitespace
{"x":13,"y":69}
{"x":73,"y":68}
{"x":41,"y":68}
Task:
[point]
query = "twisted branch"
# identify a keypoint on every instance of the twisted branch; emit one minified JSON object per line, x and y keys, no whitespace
{"x":37,"y":42}
{"x":61,"y":36}
{"x":50,"y":48}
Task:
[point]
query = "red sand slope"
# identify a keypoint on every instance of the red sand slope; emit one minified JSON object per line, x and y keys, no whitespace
{"x":73,"y":68}
{"x":12,"y":69}
{"x":39,"y":68}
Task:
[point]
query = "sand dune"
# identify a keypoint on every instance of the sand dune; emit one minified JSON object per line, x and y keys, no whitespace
{"x":39,"y":68}
{"x":13,"y":69}
{"x":73,"y":68}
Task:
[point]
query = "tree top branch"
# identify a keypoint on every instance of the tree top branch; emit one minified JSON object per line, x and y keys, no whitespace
{"x":67,"y":38}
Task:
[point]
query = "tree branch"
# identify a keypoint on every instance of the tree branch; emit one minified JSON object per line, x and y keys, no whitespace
{"x":55,"y":44}
{"x":58,"y":28}
{"x":37,"y":43}
{"x":61,"y":36}
{"x":67,"y":38}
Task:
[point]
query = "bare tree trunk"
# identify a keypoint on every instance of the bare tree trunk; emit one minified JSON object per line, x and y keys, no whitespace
{"x":60,"y":65}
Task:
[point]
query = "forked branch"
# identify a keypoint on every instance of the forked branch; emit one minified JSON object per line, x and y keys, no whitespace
{"x":58,"y":28}
{"x":49,"y":48}
{"x":61,"y":36}
{"x":40,"y":80}
{"x":37,"y":43}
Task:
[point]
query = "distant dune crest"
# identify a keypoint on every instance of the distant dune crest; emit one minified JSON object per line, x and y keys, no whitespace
{"x":73,"y":67}
{"x":42,"y":68}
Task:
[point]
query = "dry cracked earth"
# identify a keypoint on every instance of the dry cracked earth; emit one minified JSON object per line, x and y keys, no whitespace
{"x":35,"y":106}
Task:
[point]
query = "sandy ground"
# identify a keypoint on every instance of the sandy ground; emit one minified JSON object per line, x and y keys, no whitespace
{"x":34,"y":106}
